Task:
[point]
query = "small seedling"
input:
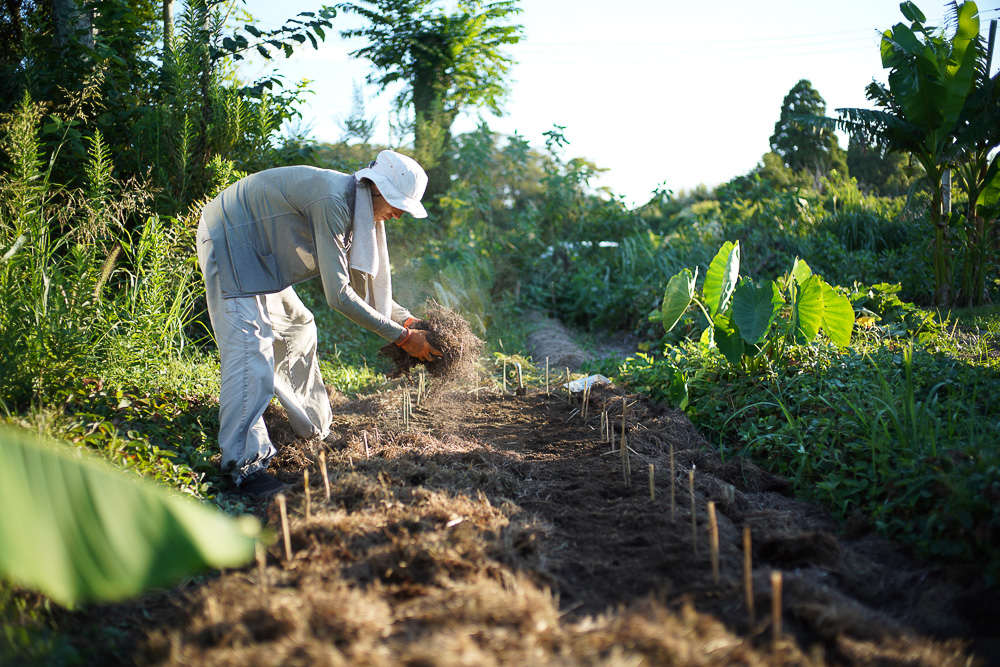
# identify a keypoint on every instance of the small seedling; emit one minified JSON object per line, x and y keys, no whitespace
{"x":284,"y":525}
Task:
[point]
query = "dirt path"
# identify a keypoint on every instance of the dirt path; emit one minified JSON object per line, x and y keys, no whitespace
{"x":502,"y":530}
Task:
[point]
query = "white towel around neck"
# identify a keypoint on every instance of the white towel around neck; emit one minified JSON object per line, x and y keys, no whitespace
{"x":369,"y":253}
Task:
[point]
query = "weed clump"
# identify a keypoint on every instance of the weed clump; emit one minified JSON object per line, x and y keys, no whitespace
{"x":449,"y":332}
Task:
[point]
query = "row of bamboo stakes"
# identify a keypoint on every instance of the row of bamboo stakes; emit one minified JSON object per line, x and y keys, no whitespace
{"x":608,"y":435}
{"x":776,"y":576}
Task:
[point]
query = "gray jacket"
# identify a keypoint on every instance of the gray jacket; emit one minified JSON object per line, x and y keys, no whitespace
{"x":285,"y":225}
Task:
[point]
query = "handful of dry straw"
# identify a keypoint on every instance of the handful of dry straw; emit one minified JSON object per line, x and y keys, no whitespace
{"x":448,"y":332}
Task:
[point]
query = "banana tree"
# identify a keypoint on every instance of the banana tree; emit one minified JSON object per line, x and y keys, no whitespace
{"x":742,"y":315}
{"x":932,"y":77}
{"x":77,"y":529}
{"x":977,"y":174}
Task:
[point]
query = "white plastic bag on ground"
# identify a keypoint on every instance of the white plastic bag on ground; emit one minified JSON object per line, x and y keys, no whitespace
{"x":583,"y":383}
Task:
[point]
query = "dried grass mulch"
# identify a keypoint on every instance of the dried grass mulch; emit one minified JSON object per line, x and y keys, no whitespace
{"x":450,"y":333}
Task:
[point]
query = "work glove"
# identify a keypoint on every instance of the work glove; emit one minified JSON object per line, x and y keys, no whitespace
{"x":411,"y":322}
{"x":414,"y":342}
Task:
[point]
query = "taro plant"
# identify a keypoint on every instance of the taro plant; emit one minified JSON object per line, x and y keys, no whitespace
{"x":748,"y":320}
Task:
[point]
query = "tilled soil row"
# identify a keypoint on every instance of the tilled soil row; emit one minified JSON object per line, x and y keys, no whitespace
{"x":495,"y":529}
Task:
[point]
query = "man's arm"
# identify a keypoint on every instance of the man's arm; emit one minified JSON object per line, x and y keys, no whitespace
{"x":331,"y":218}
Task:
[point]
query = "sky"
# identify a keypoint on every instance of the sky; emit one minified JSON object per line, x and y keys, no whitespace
{"x":660,"y":93}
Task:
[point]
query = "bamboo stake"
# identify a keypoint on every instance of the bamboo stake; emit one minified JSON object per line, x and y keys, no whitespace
{"x":611,"y":434}
{"x":713,"y":540}
{"x":748,"y":573}
{"x":775,"y":609}
{"x":694,"y":518}
{"x":326,"y":475}
{"x":505,"y":376}
{"x":673,"y":485}
{"x":623,"y":421}
{"x":546,"y":376}
{"x":364,"y":434}
{"x":305,"y":482}
{"x":652,"y":483}
{"x":261,"y":572}
{"x":569,"y":394}
{"x":284,"y":525}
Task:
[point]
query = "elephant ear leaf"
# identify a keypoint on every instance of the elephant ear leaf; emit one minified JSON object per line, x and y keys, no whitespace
{"x":728,"y":340}
{"x":77,"y":529}
{"x":755,"y":309}
{"x":838,"y":316}
{"x":808,"y":307}
{"x":720,"y":280}
{"x":677,"y":297}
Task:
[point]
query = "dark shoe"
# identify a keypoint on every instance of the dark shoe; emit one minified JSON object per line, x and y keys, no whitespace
{"x":261,"y":486}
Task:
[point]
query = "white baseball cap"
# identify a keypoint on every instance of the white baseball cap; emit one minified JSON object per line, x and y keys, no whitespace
{"x":400,"y":179}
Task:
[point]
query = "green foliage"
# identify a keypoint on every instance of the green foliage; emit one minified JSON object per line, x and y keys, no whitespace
{"x":78,"y":530}
{"x":447,"y":61}
{"x":82,"y":290}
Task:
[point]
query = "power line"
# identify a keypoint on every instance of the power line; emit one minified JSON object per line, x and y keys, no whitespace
{"x":528,"y":41}
{"x":681,"y":57}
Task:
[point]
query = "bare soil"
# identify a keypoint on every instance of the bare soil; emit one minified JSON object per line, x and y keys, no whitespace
{"x":498,"y":529}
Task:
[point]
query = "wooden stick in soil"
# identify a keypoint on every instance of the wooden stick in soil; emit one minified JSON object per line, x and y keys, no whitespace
{"x":305,"y":483}
{"x":748,"y":574}
{"x":364,"y":435}
{"x":652,"y":483}
{"x":261,"y":572}
{"x":284,"y":525}
{"x":775,"y":609}
{"x":505,"y":376}
{"x":546,"y":377}
{"x":713,"y":540}
{"x":326,"y":475}
{"x":694,"y":518}
{"x":673,"y":485}
{"x":569,"y":394}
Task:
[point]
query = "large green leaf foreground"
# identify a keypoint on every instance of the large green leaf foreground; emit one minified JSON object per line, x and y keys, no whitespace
{"x":77,"y":529}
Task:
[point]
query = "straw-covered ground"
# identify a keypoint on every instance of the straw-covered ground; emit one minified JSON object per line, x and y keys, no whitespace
{"x":496,"y":529}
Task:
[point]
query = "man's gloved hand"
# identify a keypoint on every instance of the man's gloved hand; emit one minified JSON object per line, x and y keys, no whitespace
{"x":414,"y":342}
{"x":411,"y":322}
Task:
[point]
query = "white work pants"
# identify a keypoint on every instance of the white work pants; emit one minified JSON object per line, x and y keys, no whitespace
{"x":267,"y":347}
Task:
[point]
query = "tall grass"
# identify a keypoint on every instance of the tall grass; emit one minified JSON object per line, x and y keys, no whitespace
{"x":79,"y":291}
